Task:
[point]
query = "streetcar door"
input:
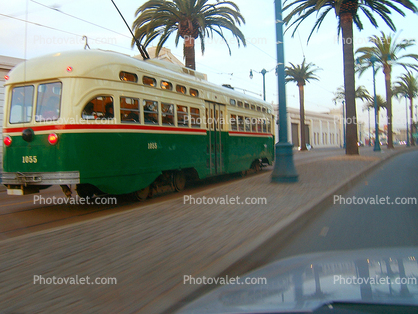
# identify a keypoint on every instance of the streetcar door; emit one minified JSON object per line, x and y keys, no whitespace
{"x":215,"y":123}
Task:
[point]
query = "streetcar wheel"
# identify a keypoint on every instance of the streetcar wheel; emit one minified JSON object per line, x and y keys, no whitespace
{"x":85,"y":190}
{"x":256,"y":166}
{"x":141,"y":195}
{"x":179,"y":180}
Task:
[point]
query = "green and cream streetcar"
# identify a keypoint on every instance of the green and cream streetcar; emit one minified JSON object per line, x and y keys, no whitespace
{"x":109,"y":123}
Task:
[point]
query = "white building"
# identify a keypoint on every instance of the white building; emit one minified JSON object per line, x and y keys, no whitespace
{"x":321,"y":129}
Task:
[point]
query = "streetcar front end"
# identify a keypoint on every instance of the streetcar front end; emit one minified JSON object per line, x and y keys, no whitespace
{"x":32,"y":143}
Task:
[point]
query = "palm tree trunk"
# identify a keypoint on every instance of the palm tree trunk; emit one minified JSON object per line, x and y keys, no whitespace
{"x":412,"y":122}
{"x":346,"y":21}
{"x":387,"y":70}
{"x":188,"y":51}
{"x":302,"y":117}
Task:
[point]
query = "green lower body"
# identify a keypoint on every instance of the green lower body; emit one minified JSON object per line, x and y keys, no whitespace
{"x":120,"y":163}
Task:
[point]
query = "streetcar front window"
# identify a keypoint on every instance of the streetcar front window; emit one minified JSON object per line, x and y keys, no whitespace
{"x":48,"y":102}
{"x":21,"y":106}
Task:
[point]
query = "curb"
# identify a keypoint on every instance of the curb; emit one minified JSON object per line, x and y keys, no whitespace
{"x":254,"y":254}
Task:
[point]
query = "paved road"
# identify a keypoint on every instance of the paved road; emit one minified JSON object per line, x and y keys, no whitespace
{"x":350,"y":227}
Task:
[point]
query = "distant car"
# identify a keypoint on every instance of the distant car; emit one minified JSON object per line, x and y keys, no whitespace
{"x":360,"y":143}
{"x":308,"y":147}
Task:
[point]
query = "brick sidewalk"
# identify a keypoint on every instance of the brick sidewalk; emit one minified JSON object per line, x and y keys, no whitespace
{"x":149,"y":250}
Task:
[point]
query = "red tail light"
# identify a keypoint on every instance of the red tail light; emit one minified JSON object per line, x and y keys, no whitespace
{"x":52,"y":138}
{"x":7,"y":141}
{"x":6,"y":77}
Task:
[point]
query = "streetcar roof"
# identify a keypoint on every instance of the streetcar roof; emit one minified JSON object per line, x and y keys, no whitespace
{"x":107,"y":65}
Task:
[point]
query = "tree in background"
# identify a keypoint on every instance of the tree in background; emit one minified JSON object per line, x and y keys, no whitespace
{"x":188,"y":19}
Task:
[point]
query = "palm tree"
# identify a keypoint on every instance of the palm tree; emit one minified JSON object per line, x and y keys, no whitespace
{"x":386,"y":53}
{"x":361,"y":93}
{"x":301,"y":74}
{"x":189,"y":19}
{"x":347,"y":14}
{"x":407,"y":87}
{"x":380,"y":104}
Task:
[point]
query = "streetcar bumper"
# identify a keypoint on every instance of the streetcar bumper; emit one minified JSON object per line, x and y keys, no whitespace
{"x":22,"y":183}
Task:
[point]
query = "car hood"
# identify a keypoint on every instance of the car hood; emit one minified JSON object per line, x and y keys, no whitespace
{"x":306,"y":282}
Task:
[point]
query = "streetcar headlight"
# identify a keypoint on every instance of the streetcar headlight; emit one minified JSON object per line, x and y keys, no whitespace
{"x":7,"y":140}
{"x":52,"y":138}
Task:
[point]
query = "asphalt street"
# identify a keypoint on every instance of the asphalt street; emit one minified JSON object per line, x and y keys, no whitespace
{"x":380,"y":211}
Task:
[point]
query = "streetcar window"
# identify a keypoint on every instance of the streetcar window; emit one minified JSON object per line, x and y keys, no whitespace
{"x":268,"y":126}
{"x":182,"y":116}
{"x":246,"y":105}
{"x":194,"y":92}
{"x":100,"y":107}
{"x":221,"y":119}
{"x":247,"y":124}
{"x":258,"y":108}
{"x":166,"y":85}
{"x":259,"y":128}
{"x":129,"y":110}
{"x":195,"y":117}
{"x":240,"y":104}
{"x":181,"y":89}
{"x":149,"y":81}
{"x":167,"y":112}
{"x":264,"y":110}
{"x":233,"y":122}
{"x":21,"y":106}
{"x":150,"y":112}
{"x":48,"y":102}
{"x":253,"y":125}
{"x":232,"y":102}
{"x":252,"y":107}
{"x":128,"y":77}
{"x":240,"y":123}
{"x":264,"y":126}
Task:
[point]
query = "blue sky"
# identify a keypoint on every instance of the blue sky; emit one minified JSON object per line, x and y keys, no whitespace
{"x":52,"y":31}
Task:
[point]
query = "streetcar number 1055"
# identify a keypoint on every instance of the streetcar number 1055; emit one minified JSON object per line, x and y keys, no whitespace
{"x":29,"y":159}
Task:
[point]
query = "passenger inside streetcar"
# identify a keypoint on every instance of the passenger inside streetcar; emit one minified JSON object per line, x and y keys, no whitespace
{"x":109,"y":111}
{"x":88,"y":112}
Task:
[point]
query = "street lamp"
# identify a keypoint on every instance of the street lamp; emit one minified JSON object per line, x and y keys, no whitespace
{"x":344,"y":124}
{"x":376,"y":148}
{"x":263,"y":72}
{"x":284,"y":168}
{"x":368,"y":111}
{"x":407,"y":127}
